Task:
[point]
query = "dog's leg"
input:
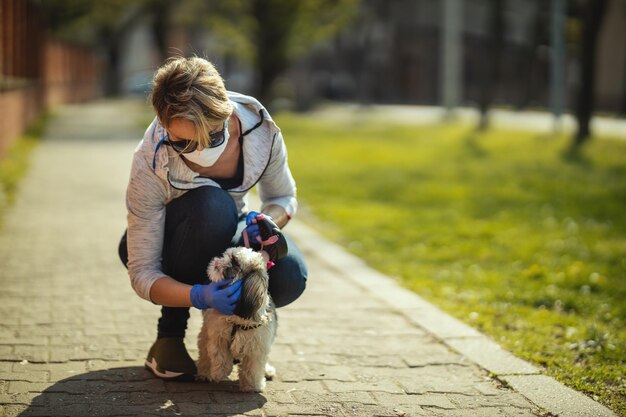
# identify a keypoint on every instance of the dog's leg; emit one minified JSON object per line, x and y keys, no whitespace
{"x":270,"y":371}
{"x":221,"y":357}
{"x":252,"y":373}
{"x":204,"y":359}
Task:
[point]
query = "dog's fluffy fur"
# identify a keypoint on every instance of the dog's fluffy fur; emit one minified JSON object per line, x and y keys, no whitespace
{"x":249,"y":333}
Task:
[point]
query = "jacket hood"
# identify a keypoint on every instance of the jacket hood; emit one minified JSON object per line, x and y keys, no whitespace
{"x":259,"y":131}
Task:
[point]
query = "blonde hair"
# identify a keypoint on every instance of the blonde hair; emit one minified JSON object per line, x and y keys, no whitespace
{"x":190,"y":89}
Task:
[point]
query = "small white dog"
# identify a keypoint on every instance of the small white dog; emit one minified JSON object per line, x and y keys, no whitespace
{"x":248,"y":334}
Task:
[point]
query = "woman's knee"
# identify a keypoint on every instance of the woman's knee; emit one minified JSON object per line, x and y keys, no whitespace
{"x":208,"y":198}
{"x":288,"y":278}
{"x":123,"y":249}
{"x":198,"y":226}
{"x":208,"y":211}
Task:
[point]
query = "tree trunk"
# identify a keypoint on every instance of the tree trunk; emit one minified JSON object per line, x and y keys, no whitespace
{"x":623,"y":107}
{"x":161,"y":10}
{"x":526,"y":71}
{"x":111,"y":37}
{"x":592,"y":13}
{"x":275,"y":19}
{"x":112,"y":69}
{"x":490,"y":66}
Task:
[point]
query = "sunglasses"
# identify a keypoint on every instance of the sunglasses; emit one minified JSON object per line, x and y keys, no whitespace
{"x":188,"y":146}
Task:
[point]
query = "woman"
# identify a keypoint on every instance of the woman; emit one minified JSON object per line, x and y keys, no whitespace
{"x":187,"y":203}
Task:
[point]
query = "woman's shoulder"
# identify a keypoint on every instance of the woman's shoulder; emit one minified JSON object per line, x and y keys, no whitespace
{"x":152,"y":138}
{"x":250,"y":104}
{"x":253,"y":115}
{"x":147,"y":155}
{"x":243,"y":99}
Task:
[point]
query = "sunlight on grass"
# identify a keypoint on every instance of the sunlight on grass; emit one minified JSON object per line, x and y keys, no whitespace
{"x":14,"y":162}
{"x":499,"y":229}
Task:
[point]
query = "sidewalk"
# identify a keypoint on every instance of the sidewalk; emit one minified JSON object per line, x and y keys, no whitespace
{"x":73,"y":334}
{"x":540,"y":122}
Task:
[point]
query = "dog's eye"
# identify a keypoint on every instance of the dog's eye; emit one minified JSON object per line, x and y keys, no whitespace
{"x":231,"y":272}
{"x":234,"y":262}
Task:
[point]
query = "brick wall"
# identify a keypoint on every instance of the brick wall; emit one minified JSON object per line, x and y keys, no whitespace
{"x":71,"y":74}
{"x":37,"y":72}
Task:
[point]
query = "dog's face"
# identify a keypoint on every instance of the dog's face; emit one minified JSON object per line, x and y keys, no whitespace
{"x":246,"y":265}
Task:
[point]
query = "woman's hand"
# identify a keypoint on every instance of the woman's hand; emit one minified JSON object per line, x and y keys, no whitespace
{"x":263,"y":234}
{"x":222,"y":296}
{"x":252,"y":230}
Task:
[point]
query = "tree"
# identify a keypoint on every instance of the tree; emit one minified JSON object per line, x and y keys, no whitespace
{"x":275,"y":21}
{"x":102,"y":24}
{"x":271,"y":34}
{"x":490,"y":65}
{"x":161,"y":11}
{"x":528,"y":56}
{"x":114,"y":24}
{"x":592,"y":13}
{"x":623,"y":108}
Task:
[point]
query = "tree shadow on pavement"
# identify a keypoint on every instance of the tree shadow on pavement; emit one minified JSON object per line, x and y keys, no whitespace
{"x":133,"y":391}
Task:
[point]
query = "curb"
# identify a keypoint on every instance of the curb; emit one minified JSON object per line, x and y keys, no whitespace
{"x":541,"y":122}
{"x":542,"y":390}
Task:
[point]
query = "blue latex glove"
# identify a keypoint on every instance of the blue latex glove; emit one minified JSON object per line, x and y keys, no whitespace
{"x":221,"y":296}
{"x":254,"y":234}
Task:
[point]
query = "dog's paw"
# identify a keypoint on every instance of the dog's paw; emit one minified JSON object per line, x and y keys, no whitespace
{"x":219,"y":373}
{"x":202,"y":378}
{"x":257,"y":386}
{"x":270,"y":372}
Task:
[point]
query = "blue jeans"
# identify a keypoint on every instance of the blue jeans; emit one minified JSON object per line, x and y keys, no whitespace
{"x":200,"y":225}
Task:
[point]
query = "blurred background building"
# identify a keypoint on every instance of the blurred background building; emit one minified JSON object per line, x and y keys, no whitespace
{"x":557,"y":55}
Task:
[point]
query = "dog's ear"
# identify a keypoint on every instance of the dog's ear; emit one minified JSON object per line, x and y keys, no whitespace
{"x":253,"y":293}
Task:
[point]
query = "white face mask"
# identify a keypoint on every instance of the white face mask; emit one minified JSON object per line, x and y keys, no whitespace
{"x":208,"y":156}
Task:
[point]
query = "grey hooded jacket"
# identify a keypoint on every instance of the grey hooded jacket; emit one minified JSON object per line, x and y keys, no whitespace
{"x":158,"y":176}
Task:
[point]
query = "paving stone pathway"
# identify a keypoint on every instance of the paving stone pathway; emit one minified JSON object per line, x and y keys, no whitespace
{"x":73,"y":334}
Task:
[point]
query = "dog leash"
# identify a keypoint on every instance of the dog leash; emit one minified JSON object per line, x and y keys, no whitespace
{"x":269,"y":241}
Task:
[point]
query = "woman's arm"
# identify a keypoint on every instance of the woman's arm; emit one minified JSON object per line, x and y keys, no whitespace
{"x":145,"y":196}
{"x":278,"y":214}
{"x":170,"y":293}
{"x":277,"y":188}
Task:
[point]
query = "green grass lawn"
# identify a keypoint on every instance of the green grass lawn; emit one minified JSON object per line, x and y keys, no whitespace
{"x":14,"y":162}
{"x":497,"y":228}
